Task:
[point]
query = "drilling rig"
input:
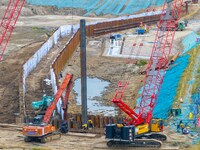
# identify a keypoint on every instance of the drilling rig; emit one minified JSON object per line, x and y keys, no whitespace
{"x":139,"y":128}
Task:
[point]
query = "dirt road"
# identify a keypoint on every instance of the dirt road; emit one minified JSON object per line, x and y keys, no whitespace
{"x":15,"y":141}
{"x":11,"y":138}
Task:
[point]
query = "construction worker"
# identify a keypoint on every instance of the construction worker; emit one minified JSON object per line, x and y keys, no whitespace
{"x":186,"y":129}
{"x":141,"y":25}
{"x":197,"y":40}
{"x":60,"y":77}
{"x":181,"y":125}
{"x":190,"y":115}
{"x":90,"y":124}
{"x":64,"y":127}
{"x":85,"y":126}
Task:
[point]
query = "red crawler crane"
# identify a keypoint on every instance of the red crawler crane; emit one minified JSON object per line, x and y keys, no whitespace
{"x":8,"y":23}
{"x":140,"y":123}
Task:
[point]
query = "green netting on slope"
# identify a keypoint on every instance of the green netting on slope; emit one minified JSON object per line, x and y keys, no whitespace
{"x":99,"y":7}
{"x":168,"y":90}
{"x":159,"y":2}
{"x":94,"y":6}
{"x":137,"y":5}
{"x":134,"y":6}
{"x":190,"y":41}
{"x":111,"y":7}
{"x":119,"y":7}
{"x":63,"y":3}
{"x":106,"y":4}
{"x":169,"y":87}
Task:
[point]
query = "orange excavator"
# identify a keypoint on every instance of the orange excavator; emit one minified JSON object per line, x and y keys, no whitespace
{"x":42,"y":127}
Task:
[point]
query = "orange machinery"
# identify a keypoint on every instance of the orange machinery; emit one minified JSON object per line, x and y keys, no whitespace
{"x":44,"y":130}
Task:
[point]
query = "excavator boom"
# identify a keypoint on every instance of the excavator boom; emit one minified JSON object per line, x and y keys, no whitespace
{"x":45,"y":131}
{"x":61,"y":89}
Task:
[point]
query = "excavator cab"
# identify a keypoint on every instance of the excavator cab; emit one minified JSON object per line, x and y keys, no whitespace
{"x":38,"y":119}
{"x":156,"y":125}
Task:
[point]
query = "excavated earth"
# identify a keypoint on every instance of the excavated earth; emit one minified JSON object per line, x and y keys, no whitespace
{"x":9,"y":81}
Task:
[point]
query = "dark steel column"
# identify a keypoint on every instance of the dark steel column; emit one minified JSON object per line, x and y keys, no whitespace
{"x":186,"y":7}
{"x":83,"y":71}
{"x":122,"y":46}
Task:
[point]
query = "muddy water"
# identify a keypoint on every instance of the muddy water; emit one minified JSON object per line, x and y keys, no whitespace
{"x":95,"y":89}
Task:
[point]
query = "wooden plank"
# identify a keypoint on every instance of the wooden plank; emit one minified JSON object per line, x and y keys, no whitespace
{"x":4,"y":125}
{"x":89,"y":135}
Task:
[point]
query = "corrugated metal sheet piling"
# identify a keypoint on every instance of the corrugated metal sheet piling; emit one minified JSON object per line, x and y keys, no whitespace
{"x":83,"y":71}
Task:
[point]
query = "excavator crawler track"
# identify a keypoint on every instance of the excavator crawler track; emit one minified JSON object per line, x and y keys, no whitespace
{"x":44,"y":139}
{"x":50,"y":137}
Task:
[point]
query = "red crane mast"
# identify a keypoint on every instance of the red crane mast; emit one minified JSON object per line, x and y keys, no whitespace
{"x":156,"y":67}
{"x":8,"y":23}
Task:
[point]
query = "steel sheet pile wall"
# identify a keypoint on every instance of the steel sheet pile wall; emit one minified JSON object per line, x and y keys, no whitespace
{"x":99,"y":121}
{"x":66,"y":53}
{"x":119,"y":25}
{"x":36,"y":58}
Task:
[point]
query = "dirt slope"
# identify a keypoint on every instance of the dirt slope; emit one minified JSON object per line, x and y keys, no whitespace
{"x":9,"y":81}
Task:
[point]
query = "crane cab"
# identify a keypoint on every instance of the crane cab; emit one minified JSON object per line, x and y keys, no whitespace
{"x":156,"y":125}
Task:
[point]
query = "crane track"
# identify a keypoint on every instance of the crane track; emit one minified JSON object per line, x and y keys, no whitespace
{"x":102,"y":146}
{"x":153,"y":135}
{"x":136,"y":143}
{"x":51,"y":137}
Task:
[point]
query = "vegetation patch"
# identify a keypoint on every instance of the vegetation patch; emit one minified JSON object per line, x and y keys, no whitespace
{"x":141,"y":62}
{"x":186,"y":76}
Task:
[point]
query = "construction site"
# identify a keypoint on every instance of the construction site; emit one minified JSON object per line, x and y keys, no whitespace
{"x":99,"y":74}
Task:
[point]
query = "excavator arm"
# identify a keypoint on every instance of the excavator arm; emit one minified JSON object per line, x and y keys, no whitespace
{"x":66,"y":83}
{"x":65,"y":100}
